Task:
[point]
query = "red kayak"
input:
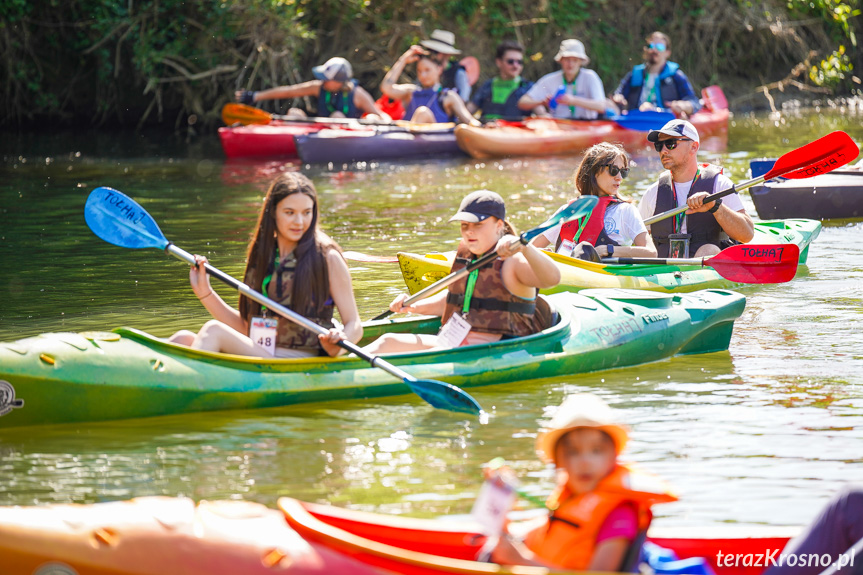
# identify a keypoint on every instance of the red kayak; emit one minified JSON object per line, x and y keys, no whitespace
{"x":433,"y":547}
{"x":266,"y":141}
{"x":542,"y":137}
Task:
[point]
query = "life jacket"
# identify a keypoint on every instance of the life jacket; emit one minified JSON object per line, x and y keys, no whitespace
{"x":568,"y":538}
{"x":430,"y":98}
{"x":493,"y":308}
{"x":672,"y":86}
{"x":290,"y":335}
{"x":391,"y":106}
{"x":341,"y":101}
{"x":702,"y":227}
{"x":447,"y":79}
{"x":594,"y":229}
{"x":507,"y":109}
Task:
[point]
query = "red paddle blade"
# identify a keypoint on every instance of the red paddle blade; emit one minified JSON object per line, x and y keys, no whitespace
{"x":819,"y":157}
{"x":757,"y":263}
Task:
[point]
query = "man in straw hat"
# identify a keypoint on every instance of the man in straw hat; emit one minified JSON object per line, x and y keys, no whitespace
{"x":441,"y":45}
{"x":600,"y":506}
{"x":573,"y":92}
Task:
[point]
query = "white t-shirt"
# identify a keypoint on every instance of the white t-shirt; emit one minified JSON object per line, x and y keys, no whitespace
{"x":722,"y":182}
{"x":622,"y":221}
{"x":587,"y":85}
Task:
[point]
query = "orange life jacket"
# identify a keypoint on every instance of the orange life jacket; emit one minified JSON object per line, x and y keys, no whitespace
{"x":568,"y":539}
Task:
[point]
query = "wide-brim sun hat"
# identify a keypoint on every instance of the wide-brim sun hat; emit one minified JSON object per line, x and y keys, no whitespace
{"x":675,"y":128}
{"x":580,"y":411}
{"x":442,"y":41}
{"x":479,"y":205}
{"x":572,"y":48}
{"x":335,"y":70}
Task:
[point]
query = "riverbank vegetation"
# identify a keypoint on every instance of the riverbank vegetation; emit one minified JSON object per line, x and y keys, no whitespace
{"x":175,"y":63}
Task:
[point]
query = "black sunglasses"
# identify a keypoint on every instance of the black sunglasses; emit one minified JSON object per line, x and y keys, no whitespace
{"x":670,"y":144}
{"x":513,"y":62}
{"x":614,"y":170}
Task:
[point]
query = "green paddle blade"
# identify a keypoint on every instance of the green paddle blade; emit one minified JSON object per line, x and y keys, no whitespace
{"x":577,"y":209}
{"x":444,"y":396}
{"x":119,"y":220}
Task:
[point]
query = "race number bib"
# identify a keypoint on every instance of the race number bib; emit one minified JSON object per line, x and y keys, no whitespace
{"x":453,"y":332}
{"x":263,"y":332}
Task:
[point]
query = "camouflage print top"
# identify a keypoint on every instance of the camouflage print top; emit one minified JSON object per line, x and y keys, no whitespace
{"x":290,"y":335}
{"x":493,"y":308}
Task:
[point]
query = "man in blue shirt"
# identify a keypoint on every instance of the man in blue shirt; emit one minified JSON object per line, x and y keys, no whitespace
{"x":657,"y":84}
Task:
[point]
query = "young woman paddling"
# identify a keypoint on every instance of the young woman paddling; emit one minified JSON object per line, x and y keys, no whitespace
{"x":293,"y":262}
{"x":615,"y":226}
{"x":427,"y":103}
{"x":499,"y":300}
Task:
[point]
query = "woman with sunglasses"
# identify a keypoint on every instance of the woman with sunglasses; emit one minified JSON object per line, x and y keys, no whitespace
{"x":657,"y":84}
{"x":615,"y":227}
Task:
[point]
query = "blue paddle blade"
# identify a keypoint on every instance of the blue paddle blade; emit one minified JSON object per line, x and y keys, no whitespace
{"x":643,"y":121}
{"x":444,"y":396}
{"x":119,"y":220}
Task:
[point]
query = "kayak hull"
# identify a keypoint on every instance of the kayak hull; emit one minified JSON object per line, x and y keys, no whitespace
{"x":420,"y":271}
{"x":161,"y":536}
{"x":837,"y":195}
{"x":437,"y":547}
{"x":274,"y":140}
{"x":96,"y":376}
{"x":344,"y":147}
{"x":545,"y":137}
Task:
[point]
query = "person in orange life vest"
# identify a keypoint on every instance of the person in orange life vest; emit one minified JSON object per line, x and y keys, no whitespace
{"x":293,"y":262}
{"x":427,"y":102}
{"x":600,"y":505}
{"x":615,"y":226}
{"x":338,"y":95}
{"x":499,"y":300}
{"x":687,"y":183}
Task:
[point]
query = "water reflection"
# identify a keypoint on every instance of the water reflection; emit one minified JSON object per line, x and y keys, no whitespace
{"x":777,"y":419}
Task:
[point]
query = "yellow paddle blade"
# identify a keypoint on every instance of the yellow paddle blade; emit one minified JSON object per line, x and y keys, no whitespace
{"x":242,"y":114}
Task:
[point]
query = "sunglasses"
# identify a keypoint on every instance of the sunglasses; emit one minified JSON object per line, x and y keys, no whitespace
{"x":614,"y":170}
{"x":513,"y":62}
{"x":670,"y":144}
{"x":655,"y":46}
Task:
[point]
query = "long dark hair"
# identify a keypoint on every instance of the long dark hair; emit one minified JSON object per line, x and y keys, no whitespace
{"x":311,"y":278}
{"x":595,"y":158}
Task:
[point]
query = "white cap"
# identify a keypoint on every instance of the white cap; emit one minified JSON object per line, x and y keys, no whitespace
{"x":677,"y":129}
{"x":571,"y":49}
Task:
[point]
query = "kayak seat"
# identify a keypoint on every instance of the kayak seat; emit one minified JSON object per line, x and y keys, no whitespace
{"x":545,"y":313}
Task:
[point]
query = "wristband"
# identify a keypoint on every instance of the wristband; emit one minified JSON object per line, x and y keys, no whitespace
{"x":715,"y":206}
{"x":610,"y":249}
{"x":247,"y":97}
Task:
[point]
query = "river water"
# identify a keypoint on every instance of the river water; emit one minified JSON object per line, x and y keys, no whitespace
{"x":761,"y":434}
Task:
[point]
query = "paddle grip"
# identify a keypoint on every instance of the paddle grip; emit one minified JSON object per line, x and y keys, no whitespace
{"x":707,"y":200}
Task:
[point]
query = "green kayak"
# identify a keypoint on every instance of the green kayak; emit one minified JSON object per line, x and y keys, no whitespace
{"x":77,"y":377}
{"x":420,"y":271}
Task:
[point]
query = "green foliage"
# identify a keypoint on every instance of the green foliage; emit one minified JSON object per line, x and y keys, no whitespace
{"x":837,"y":13}
{"x":833,"y":70}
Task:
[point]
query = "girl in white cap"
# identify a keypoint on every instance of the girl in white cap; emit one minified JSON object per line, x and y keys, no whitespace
{"x":599,"y":507}
{"x":496,"y":301}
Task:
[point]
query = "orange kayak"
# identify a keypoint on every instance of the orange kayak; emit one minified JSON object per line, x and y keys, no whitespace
{"x":161,"y":536}
{"x":543,"y":137}
{"x":432,"y":547}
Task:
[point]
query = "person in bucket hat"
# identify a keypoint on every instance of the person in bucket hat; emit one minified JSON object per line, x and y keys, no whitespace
{"x":573,"y":92}
{"x":600,"y":506}
{"x":498,"y":300}
{"x":705,"y":228}
{"x":338,"y":95}
{"x":657,"y":84}
{"x":441,"y":47}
